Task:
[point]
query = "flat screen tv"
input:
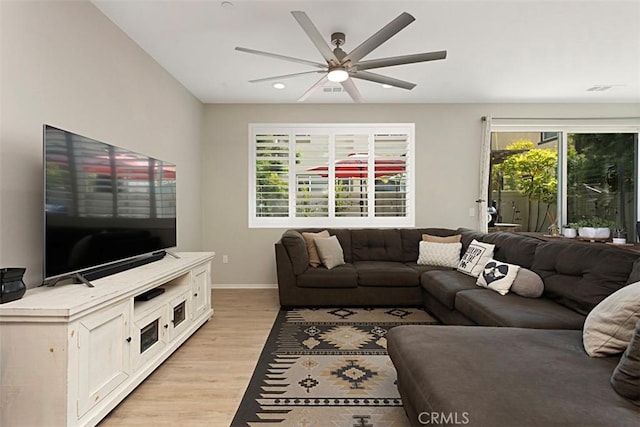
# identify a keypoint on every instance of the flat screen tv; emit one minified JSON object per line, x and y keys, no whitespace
{"x":104,"y":205}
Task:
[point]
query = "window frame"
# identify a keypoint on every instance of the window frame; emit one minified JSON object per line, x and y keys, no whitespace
{"x":331,"y":130}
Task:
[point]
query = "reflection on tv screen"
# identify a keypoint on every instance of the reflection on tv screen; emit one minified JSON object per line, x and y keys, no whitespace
{"x":103,"y":203}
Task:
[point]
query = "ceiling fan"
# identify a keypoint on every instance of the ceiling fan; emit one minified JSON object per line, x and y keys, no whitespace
{"x":342,"y":67}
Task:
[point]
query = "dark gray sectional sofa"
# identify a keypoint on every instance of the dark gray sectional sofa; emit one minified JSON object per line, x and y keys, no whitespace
{"x":526,"y":367}
{"x":381,"y":269}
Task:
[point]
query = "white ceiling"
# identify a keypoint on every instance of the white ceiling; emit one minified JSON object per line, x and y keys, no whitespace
{"x":498,"y":51}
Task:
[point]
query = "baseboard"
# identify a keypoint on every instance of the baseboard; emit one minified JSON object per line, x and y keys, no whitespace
{"x":244,"y":286}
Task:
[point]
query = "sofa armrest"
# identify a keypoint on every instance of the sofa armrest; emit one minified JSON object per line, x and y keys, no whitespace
{"x":286,"y":276}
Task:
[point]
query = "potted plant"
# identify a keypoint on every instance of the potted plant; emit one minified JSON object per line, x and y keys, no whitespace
{"x":595,"y":228}
{"x":570,"y":230}
{"x":619,"y":236}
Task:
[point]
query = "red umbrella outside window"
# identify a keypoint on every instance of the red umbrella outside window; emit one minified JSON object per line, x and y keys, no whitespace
{"x":356,"y":165}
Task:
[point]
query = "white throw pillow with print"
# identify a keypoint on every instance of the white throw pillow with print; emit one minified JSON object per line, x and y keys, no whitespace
{"x":498,"y":276}
{"x":475,"y":258}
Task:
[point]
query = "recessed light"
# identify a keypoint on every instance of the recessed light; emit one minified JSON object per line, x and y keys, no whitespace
{"x":599,"y":88}
{"x":387,"y":86}
{"x":279,"y":85}
{"x":226,"y":5}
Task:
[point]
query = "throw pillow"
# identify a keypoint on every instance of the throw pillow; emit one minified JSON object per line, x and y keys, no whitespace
{"x":625,"y":379}
{"x":330,"y":251}
{"x":314,"y":259}
{"x":476,"y":257}
{"x":609,"y":326}
{"x":527,"y":284}
{"x":442,"y":239}
{"x":498,"y":276}
{"x":439,"y":254}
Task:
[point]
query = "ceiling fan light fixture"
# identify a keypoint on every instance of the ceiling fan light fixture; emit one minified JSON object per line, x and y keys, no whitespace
{"x":338,"y":75}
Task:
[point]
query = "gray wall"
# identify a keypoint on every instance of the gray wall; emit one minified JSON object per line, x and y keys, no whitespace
{"x":447,"y":167}
{"x":66,"y":64}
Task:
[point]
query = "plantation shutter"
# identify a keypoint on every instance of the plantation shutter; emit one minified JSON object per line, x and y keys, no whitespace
{"x":390,"y":169}
{"x":312,"y":175}
{"x":272,"y":175}
{"x":331,"y":175}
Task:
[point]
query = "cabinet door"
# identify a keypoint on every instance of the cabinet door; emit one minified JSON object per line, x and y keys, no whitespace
{"x":149,"y":335}
{"x":103,"y":352}
{"x":201,"y":293}
{"x":180,"y":314}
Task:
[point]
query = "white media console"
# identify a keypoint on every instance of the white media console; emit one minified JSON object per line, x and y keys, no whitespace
{"x":69,"y":354}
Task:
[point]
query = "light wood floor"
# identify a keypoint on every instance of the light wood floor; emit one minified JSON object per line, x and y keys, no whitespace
{"x":202,"y":383}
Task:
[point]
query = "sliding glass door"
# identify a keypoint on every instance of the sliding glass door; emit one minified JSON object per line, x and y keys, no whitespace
{"x":523,"y":184}
{"x":602,"y":178}
{"x":544,"y":175}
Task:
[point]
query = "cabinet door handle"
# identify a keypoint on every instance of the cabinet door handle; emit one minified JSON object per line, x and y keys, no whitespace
{"x":195,"y":295}
{"x":129,"y":339}
{"x":166,"y":326}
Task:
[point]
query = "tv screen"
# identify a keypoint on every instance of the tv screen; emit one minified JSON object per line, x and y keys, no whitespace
{"x":103,"y":204}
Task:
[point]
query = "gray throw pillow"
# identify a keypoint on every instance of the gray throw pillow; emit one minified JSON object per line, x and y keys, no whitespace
{"x":330,"y":251}
{"x":527,"y":284}
{"x":626,"y":377}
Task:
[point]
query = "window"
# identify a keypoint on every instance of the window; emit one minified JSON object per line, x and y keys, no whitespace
{"x":586,"y":169}
{"x":331,"y":175}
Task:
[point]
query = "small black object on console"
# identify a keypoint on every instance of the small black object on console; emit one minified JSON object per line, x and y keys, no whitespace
{"x":13,"y":288}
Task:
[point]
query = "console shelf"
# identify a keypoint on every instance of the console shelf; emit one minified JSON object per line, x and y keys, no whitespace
{"x":70,"y":354}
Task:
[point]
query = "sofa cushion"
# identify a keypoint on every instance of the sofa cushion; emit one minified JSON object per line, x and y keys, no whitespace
{"x":625,"y":379}
{"x":509,"y":247}
{"x":385,"y":273}
{"x":376,"y":245}
{"x":343,"y":276}
{"x":489,"y":308}
{"x":634,"y":276}
{"x":578,"y":275}
{"x":505,"y":377}
{"x":443,"y":285}
{"x":609,"y":326}
{"x":422,"y":268}
{"x":411,"y":238}
{"x":296,"y":247}
{"x":513,"y":248}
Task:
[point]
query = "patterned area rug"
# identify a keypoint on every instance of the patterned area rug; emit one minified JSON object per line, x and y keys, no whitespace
{"x":328,"y":367}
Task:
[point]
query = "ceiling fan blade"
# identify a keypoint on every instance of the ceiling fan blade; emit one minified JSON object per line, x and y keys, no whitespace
{"x":352,"y":90}
{"x":286,"y":58}
{"x":313,"y":88}
{"x":399,"y":60}
{"x":316,"y":37}
{"x":384,"y":34}
{"x":285,"y":76}
{"x":365,"y":75}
